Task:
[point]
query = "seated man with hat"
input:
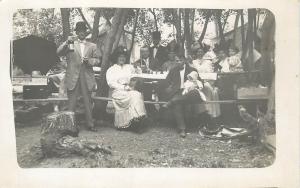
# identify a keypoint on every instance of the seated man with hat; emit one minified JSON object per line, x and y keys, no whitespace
{"x":146,"y":63}
{"x":80,"y":77}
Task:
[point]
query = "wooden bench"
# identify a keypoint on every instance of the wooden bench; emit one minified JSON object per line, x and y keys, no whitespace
{"x":55,"y":100}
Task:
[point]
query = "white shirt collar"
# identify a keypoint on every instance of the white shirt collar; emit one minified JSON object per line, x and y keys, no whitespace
{"x":152,"y":45}
{"x":82,"y":41}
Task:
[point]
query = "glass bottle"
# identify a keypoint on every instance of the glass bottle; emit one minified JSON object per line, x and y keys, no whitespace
{"x":71,"y":45}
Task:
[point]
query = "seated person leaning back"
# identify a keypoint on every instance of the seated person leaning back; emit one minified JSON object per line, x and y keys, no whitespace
{"x":127,"y":99}
{"x":172,"y":90}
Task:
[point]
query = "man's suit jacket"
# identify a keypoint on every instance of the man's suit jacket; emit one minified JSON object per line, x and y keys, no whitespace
{"x":160,"y":57}
{"x":75,"y":65}
{"x":171,"y":85}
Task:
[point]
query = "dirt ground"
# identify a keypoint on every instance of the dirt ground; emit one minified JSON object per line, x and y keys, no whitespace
{"x":158,"y":146}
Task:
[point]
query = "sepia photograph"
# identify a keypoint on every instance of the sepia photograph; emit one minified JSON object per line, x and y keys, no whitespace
{"x":143,"y":87}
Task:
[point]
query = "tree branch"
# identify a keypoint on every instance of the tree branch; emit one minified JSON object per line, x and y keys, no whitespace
{"x":155,"y":19}
{"x":225,"y":20}
{"x":120,"y":29}
{"x":208,"y":15}
{"x":95,"y":31}
{"x":134,"y":29}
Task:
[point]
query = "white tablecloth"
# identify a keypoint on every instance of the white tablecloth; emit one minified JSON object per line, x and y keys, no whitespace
{"x":151,"y":76}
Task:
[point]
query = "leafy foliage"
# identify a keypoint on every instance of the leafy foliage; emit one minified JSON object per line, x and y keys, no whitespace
{"x":41,"y":23}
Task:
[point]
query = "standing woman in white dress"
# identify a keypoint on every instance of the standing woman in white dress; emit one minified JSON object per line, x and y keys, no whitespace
{"x":127,"y":98}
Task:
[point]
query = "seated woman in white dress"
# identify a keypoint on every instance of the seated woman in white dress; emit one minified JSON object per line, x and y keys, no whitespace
{"x":127,"y":100}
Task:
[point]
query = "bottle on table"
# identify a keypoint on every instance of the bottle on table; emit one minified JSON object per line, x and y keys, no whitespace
{"x":153,"y":96}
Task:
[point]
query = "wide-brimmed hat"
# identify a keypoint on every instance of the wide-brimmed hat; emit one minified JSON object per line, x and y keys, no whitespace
{"x":120,"y":50}
{"x":80,"y":26}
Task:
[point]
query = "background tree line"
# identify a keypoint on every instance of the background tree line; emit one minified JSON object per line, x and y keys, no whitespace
{"x":109,"y":25}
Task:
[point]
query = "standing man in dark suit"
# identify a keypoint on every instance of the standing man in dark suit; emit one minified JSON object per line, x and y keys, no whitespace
{"x":171,"y":90}
{"x":80,"y":77}
{"x":157,"y":51}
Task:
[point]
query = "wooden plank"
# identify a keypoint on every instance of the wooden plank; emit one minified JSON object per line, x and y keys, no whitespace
{"x":40,"y":100}
{"x":207,"y":102}
{"x":236,"y":73}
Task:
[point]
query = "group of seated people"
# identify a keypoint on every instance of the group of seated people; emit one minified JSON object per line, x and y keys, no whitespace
{"x":182,"y":87}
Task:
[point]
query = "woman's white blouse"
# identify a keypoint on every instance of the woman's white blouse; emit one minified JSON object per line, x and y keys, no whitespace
{"x":118,"y":76}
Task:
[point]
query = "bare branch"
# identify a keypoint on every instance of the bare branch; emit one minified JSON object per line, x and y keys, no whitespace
{"x":225,"y":19}
{"x":155,"y":19}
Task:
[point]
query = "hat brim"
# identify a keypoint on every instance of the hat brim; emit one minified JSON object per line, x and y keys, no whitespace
{"x":81,"y":29}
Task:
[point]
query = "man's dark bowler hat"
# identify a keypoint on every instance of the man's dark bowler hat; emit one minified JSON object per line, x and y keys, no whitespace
{"x":80,"y":26}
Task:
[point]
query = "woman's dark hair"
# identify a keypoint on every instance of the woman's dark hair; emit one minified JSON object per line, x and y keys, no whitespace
{"x":173,"y":47}
{"x":120,"y":50}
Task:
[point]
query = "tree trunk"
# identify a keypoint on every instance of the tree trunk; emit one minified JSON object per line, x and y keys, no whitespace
{"x":100,"y":106}
{"x":242,"y":31}
{"x":192,"y":24}
{"x":257,"y":20}
{"x":103,"y":87}
{"x":187,"y":35}
{"x":225,"y":20}
{"x":254,"y":23}
{"x":120,"y":29}
{"x":65,"y":18}
{"x":267,"y":49}
{"x":155,"y":19}
{"x":267,"y":58}
{"x":177,"y":24}
{"x":134,"y":30}
{"x":249,"y":60}
{"x":236,"y":23}
{"x":207,"y":17}
{"x":222,"y":39}
{"x":95,"y":30}
{"x":182,"y":37}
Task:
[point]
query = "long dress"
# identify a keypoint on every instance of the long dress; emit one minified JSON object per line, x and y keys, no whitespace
{"x":129,"y":105}
{"x":206,"y":66}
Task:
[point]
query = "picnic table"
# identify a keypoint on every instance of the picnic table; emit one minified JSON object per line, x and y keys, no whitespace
{"x":152,"y":79}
